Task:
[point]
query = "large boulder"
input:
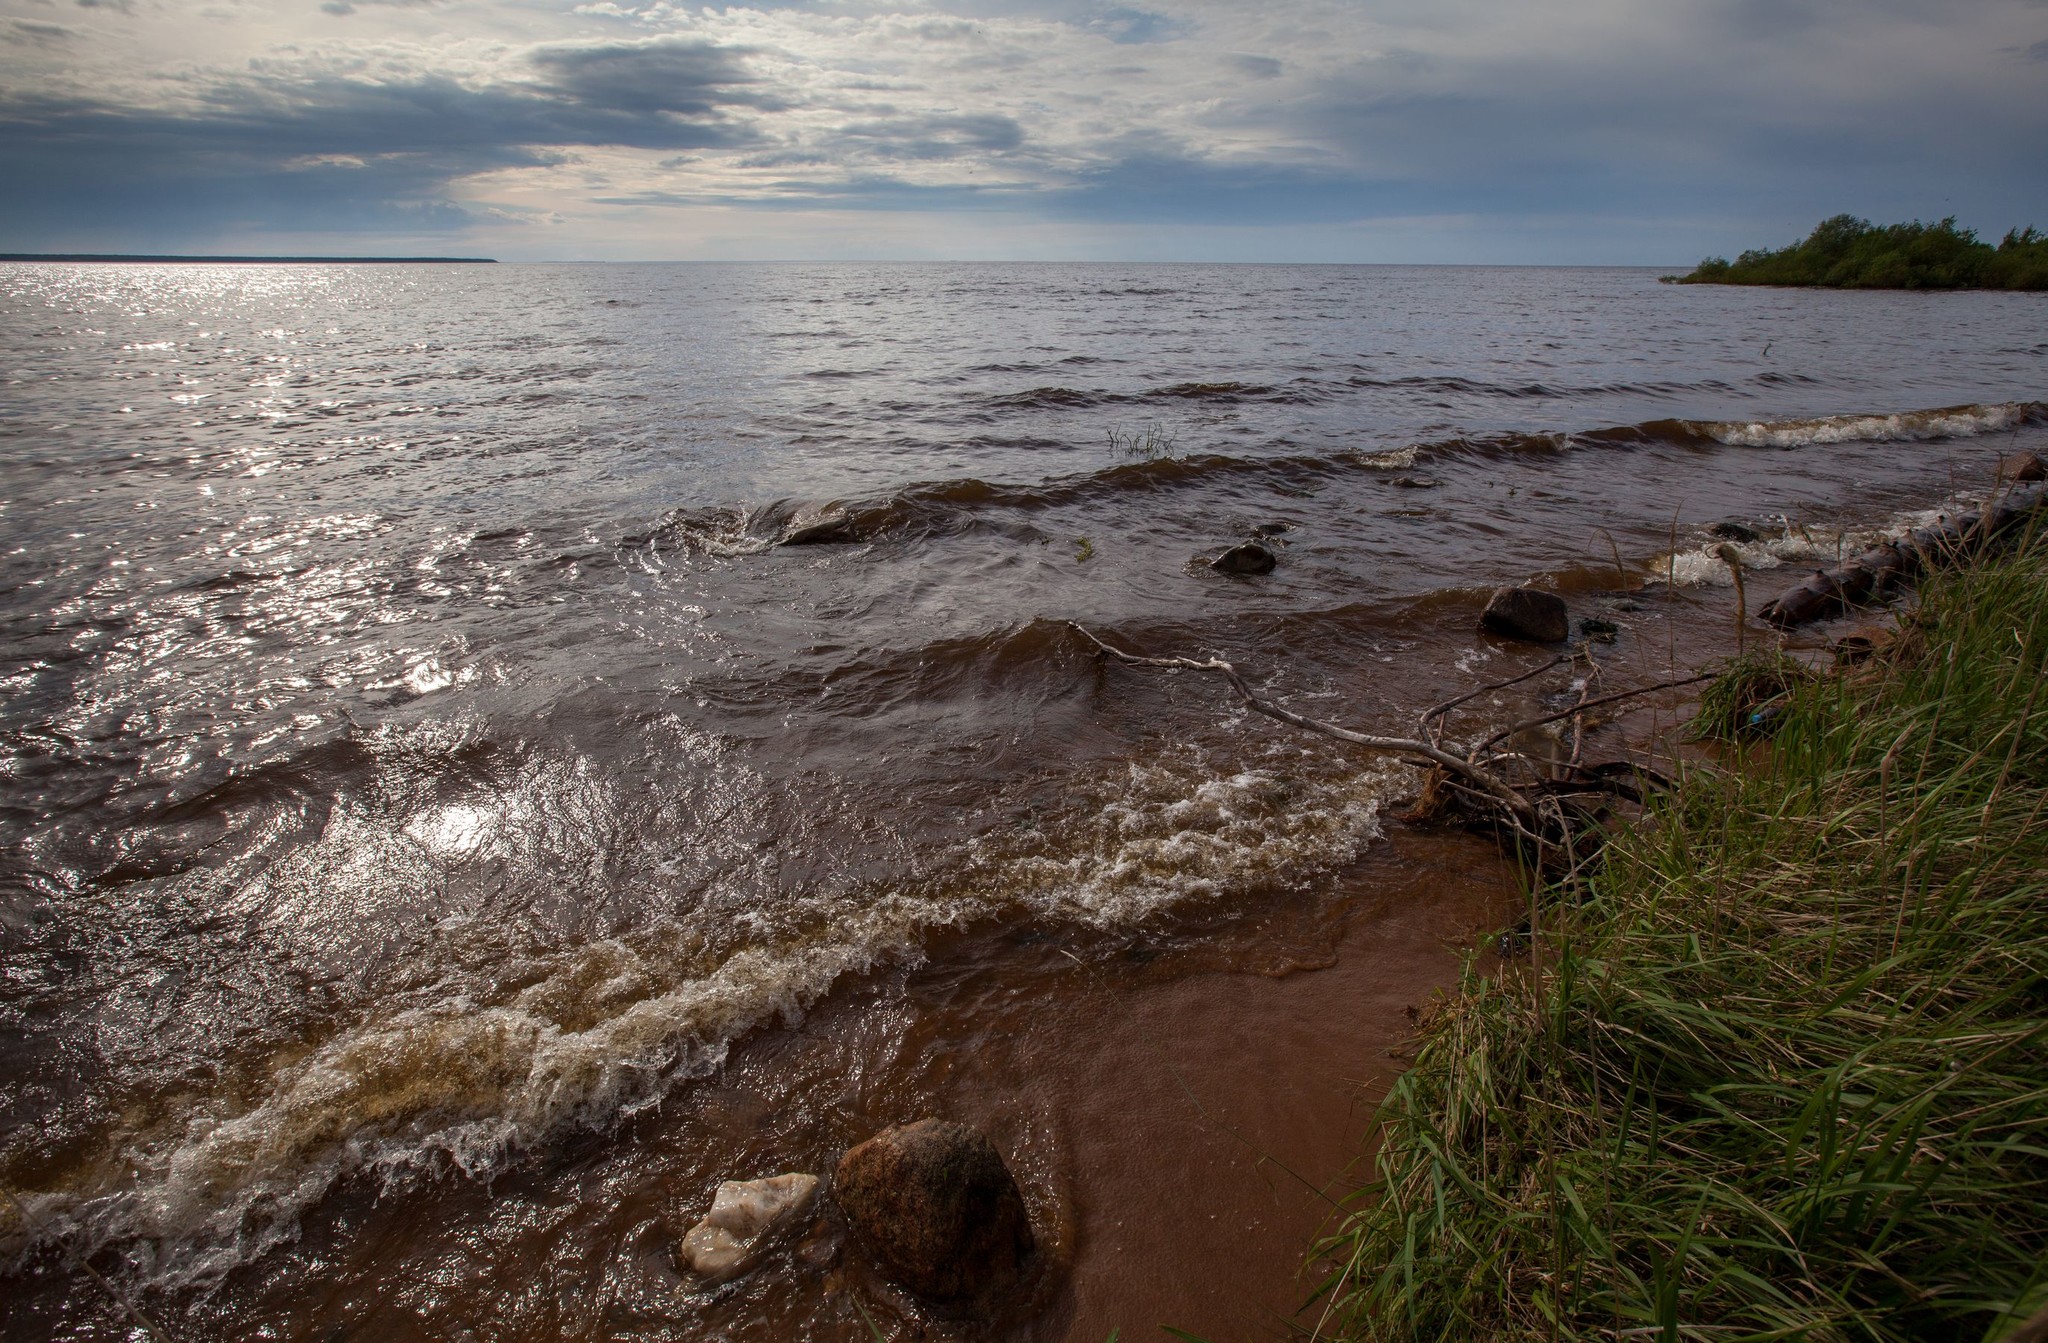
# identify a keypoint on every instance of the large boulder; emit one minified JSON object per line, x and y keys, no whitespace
{"x":1247,"y":557}
{"x":1527,"y":613}
{"x":744,"y":1219}
{"x":936,"y":1207}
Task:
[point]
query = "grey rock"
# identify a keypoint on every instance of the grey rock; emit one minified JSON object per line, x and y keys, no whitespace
{"x":1248,"y":557}
{"x":744,"y":1217}
{"x":1527,"y":613}
{"x":820,"y":525}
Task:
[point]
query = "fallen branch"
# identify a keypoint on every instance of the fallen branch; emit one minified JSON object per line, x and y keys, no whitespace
{"x":1484,"y":779}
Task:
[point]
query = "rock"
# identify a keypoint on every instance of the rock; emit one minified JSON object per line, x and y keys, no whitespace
{"x":1527,"y":613}
{"x":1416,"y":482}
{"x":2021,"y":468}
{"x":820,"y":1250}
{"x":1273,"y":528}
{"x":1599,"y":627}
{"x":820,"y":525}
{"x":1729,"y":529}
{"x":936,"y":1207}
{"x":1248,"y":557}
{"x":744,"y":1216}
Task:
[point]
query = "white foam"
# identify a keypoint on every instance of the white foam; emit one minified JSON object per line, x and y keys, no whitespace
{"x":1906,"y":426}
{"x":455,"y":1083}
{"x":1170,"y":834}
{"x":1702,"y":565}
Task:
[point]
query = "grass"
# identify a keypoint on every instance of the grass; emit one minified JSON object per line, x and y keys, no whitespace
{"x":1150,"y":443}
{"x":1850,"y":253}
{"x":1785,"y":1072}
{"x":1745,"y":699}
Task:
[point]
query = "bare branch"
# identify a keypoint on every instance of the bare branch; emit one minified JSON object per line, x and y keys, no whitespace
{"x":1485,"y":779}
{"x":1618,"y":695}
{"x":1450,"y":704}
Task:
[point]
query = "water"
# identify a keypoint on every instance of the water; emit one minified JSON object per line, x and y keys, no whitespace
{"x":449,"y":711}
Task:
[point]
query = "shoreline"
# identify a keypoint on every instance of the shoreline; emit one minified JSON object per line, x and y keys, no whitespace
{"x":1771,"y":1073}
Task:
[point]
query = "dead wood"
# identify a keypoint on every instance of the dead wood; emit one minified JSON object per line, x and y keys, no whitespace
{"x":1877,"y":570}
{"x":1558,"y":807}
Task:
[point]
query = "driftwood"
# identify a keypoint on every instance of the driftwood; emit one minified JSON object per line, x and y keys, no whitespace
{"x":1877,"y":570}
{"x":1550,"y":804}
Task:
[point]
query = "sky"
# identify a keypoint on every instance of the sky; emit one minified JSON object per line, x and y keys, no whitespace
{"x":1646,"y":132}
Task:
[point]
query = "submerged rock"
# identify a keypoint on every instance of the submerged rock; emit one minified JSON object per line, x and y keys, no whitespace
{"x":1728,"y":529}
{"x":936,"y":1207}
{"x":2021,"y":468}
{"x":744,"y":1217}
{"x":1247,"y":557}
{"x":1599,"y":627}
{"x":1527,"y":613}
{"x":827,"y":526}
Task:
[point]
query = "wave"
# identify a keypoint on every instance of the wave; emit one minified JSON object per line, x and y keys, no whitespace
{"x":1220,"y":393}
{"x":954,"y":507}
{"x":472,"y":1076}
{"x":1905,"y":427}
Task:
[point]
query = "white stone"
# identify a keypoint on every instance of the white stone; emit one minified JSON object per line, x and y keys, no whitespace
{"x":744,"y":1215}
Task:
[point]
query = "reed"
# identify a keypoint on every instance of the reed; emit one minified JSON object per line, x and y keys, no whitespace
{"x":1785,"y":1072}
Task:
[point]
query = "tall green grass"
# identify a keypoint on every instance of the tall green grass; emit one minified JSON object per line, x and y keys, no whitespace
{"x":1781,"y":1071}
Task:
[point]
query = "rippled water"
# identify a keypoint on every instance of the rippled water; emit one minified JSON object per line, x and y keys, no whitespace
{"x":447,"y":708}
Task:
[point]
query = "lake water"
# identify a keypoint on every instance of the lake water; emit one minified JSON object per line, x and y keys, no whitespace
{"x":461,"y":723}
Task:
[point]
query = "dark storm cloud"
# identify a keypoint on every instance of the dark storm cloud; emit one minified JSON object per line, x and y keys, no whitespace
{"x":686,"y":78}
{"x":280,"y":149}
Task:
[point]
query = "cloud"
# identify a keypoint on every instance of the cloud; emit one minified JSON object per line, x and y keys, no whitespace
{"x":941,"y":136}
{"x":40,"y":34}
{"x":1258,"y":67}
{"x":289,"y":147}
{"x":662,"y":76}
{"x":1083,"y":113}
{"x":1136,"y":27}
{"x":344,"y":8}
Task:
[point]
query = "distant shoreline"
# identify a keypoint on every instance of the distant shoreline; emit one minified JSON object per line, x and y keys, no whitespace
{"x":254,"y":260}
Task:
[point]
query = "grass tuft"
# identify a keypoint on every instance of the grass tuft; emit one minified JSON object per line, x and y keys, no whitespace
{"x":1744,"y":701}
{"x":1785,"y":1075}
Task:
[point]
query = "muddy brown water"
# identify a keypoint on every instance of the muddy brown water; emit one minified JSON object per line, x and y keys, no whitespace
{"x":490,"y":754}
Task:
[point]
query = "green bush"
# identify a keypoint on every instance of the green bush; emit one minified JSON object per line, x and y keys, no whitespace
{"x":1850,"y":253}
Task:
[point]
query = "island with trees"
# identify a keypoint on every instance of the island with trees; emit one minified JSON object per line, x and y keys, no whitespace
{"x":1850,"y":253}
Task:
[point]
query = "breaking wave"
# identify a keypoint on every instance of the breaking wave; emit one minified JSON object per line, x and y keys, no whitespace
{"x":953,"y":507}
{"x":468,"y":1081}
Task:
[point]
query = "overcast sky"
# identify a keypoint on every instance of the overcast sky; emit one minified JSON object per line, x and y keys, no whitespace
{"x":1332,"y":130}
